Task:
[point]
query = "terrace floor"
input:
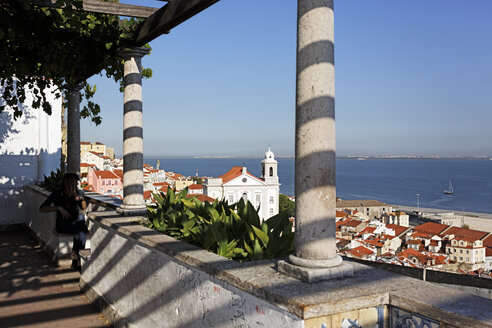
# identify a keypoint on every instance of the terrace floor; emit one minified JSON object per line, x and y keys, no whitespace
{"x":36,"y":293}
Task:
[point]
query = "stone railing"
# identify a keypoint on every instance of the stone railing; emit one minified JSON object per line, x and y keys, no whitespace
{"x":141,"y":278}
{"x":42,"y":225}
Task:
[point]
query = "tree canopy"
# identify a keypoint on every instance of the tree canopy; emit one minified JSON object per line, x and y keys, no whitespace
{"x":44,"y":47}
{"x":286,"y":205}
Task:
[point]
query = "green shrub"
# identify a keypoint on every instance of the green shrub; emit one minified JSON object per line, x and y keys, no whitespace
{"x":232,"y":231}
{"x":53,"y":181}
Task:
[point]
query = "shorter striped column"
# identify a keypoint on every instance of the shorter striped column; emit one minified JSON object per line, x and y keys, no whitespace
{"x":133,"y":201}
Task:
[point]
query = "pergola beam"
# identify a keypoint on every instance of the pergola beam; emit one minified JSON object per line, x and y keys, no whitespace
{"x":102,"y":7}
{"x":168,"y":17}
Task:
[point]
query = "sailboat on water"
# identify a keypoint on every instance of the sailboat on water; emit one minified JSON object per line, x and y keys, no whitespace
{"x":449,"y":191}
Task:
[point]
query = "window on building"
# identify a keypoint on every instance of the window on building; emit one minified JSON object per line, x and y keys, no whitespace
{"x":102,"y":189}
{"x":231,"y":199}
{"x":271,"y":199}
{"x":245,"y":197}
{"x":467,"y":252}
{"x":271,"y":171}
{"x":461,"y":251}
{"x":271,"y":211}
{"x":467,"y":259}
{"x":454,"y":250}
{"x":258,"y":198}
{"x":461,"y":258}
{"x":103,"y":182}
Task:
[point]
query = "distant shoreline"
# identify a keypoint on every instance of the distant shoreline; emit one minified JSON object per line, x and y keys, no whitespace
{"x":339,"y":157}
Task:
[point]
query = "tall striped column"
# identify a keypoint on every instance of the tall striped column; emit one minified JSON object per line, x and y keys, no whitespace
{"x":315,"y":256}
{"x":133,"y":201}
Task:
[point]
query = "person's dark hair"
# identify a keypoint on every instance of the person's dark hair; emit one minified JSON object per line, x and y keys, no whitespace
{"x":69,"y":184}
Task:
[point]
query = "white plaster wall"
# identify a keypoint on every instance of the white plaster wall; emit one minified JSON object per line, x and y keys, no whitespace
{"x":30,"y":147}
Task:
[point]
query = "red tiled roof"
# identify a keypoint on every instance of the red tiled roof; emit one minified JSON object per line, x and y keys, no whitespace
{"x":85,"y":143}
{"x":119,"y":173}
{"x":147,"y":194}
{"x":410,"y":252}
{"x":414,"y":242}
{"x":195,"y":186}
{"x":106,"y":175}
{"x":419,"y":234}
{"x":466,"y":233}
{"x":374,"y":242}
{"x":234,"y":173}
{"x":488,"y":251}
{"x":431,"y":227}
{"x":87,"y":165}
{"x":488,"y":241}
{"x":202,"y":197}
{"x":163,"y":189}
{"x":398,"y":228}
{"x":368,"y":230}
{"x":351,"y":223}
{"x":361,"y":251}
{"x":341,"y":214}
{"x":89,"y":188}
{"x":161,"y":184}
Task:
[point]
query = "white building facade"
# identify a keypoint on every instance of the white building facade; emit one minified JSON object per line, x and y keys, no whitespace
{"x":238,"y":183}
{"x":30,"y":148}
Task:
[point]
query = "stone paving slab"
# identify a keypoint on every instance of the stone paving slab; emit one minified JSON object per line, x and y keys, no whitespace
{"x":36,"y":293}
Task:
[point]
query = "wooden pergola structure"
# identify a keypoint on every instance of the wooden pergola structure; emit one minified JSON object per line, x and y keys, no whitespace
{"x":315,"y":256}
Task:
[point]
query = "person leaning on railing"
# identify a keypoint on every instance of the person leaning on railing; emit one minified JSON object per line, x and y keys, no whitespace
{"x":68,"y":205}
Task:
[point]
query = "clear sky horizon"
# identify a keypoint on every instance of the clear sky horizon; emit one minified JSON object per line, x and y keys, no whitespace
{"x":412,"y":78}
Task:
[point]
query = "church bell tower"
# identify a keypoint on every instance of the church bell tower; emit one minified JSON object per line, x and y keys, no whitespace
{"x":269,"y":168}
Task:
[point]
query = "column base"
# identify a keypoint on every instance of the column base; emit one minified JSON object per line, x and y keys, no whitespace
{"x":310,"y":274}
{"x":132,"y":210}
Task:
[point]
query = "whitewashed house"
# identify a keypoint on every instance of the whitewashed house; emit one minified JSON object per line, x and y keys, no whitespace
{"x":238,"y":183}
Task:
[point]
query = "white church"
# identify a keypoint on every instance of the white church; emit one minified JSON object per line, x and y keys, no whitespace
{"x":238,"y":182}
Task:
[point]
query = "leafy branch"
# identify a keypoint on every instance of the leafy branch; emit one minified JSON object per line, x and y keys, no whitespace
{"x":47,"y":49}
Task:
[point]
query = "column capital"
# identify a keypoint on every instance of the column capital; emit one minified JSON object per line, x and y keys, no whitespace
{"x":138,"y":52}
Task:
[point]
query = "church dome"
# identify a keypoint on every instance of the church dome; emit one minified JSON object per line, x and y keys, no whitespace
{"x":269,"y":157}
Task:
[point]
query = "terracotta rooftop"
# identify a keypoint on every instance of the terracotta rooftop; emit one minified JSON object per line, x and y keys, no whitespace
{"x":397,"y":228}
{"x":351,"y":223}
{"x":341,"y":214}
{"x":431,"y":227}
{"x":202,"y":197}
{"x":195,"y":186}
{"x":233,"y":173}
{"x":119,"y":173}
{"x":466,"y":233}
{"x":106,"y":175}
{"x":488,"y":241}
{"x":361,"y":251}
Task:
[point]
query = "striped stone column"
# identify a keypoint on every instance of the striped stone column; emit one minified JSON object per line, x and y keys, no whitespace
{"x":315,"y":256}
{"x":133,"y":201}
{"x":73,"y":128}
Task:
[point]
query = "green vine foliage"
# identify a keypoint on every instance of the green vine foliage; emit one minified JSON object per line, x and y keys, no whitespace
{"x":51,"y":48}
{"x":233,"y":231}
{"x":53,"y":181}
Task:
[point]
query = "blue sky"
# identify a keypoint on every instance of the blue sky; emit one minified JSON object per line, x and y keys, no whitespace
{"x":412,"y":77}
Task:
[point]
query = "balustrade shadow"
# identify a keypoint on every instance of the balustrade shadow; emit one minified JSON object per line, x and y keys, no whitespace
{"x":33,"y":291}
